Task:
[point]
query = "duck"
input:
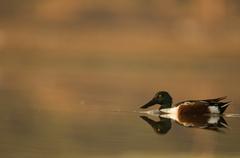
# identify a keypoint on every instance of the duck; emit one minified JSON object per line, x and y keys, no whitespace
{"x":187,"y":107}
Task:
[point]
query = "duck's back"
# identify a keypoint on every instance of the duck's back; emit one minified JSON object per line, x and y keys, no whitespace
{"x":202,"y":106}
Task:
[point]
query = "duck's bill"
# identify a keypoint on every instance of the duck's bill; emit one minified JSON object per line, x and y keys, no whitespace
{"x":150,"y":103}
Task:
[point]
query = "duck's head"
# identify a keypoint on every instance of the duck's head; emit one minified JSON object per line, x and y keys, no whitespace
{"x":162,"y":98}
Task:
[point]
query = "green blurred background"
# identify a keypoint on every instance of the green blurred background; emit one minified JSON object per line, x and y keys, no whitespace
{"x":67,"y":65}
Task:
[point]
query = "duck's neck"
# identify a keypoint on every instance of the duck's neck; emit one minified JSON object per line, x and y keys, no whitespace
{"x":167,"y":103}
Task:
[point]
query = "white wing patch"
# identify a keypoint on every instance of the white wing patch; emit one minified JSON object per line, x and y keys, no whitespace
{"x":214,"y":109}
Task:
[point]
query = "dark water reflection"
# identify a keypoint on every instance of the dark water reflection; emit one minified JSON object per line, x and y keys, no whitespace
{"x":164,"y":124}
{"x":160,"y":127}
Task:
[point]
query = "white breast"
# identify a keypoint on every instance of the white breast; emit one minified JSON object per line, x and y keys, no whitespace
{"x":171,"y":113}
{"x":170,"y":110}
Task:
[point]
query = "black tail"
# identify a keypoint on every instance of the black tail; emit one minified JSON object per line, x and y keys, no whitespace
{"x":223,"y":106}
{"x":215,"y":100}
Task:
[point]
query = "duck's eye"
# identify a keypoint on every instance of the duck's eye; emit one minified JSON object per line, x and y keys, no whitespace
{"x":158,"y":96}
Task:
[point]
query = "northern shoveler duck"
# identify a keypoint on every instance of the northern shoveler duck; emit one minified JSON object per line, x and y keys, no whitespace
{"x":192,"y":107}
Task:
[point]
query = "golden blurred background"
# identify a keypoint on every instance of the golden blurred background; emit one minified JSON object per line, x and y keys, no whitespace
{"x":55,"y":48}
{"x":180,"y":27}
{"x":72,"y":61}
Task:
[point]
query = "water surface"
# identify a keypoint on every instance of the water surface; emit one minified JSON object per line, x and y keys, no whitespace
{"x":77,"y":109}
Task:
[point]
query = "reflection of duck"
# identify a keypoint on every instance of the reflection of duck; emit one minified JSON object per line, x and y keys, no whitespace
{"x":211,"y":122}
{"x":214,"y":123}
{"x":160,"y":127}
{"x":191,"y":107}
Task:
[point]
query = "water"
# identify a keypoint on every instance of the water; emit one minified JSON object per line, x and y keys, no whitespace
{"x":51,"y":109}
{"x":109,"y":134}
